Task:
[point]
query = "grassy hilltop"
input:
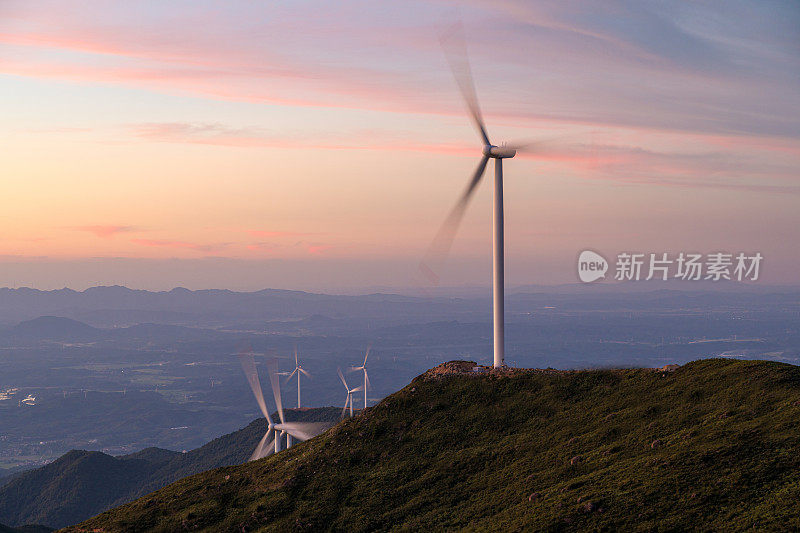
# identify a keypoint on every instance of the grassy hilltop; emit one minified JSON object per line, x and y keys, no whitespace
{"x":714,"y":445}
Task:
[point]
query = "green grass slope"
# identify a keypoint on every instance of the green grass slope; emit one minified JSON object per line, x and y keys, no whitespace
{"x":713,"y":445}
{"x":80,"y":484}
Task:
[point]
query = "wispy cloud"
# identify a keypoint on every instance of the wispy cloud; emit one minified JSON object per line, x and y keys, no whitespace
{"x":216,"y":134}
{"x":106,"y":231}
{"x":318,"y":249}
{"x":296,"y":248}
{"x":658,"y":66}
{"x":189,"y":132}
{"x":269,"y":234}
{"x":709,"y":165}
{"x":184,"y":245}
{"x":263,"y":247}
{"x":698,"y":169}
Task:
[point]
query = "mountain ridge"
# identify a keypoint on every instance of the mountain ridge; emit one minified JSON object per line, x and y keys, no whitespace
{"x":115,"y":306}
{"x":81,"y":483}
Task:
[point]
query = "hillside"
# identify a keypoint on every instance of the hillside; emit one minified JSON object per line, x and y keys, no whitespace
{"x":25,"y":529}
{"x":713,"y":445}
{"x":60,"y":329}
{"x":81,"y":484}
{"x":54,"y":327}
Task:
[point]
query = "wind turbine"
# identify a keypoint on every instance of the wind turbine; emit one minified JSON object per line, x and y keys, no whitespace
{"x":349,"y":399}
{"x":297,"y":370}
{"x":459,"y":64}
{"x":299,"y":430}
{"x":366,"y":377}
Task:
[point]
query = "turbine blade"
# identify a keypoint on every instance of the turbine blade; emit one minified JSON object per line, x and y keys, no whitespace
{"x":285,"y":381}
{"x":357,"y":389}
{"x":366,"y":378}
{"x":276,"y":387}
{"x":455,"y":49}
{"x":523,"y":146}
{"x":306,"y":374}
{"x":258,"y":453}
{"x":346,"y":403}
{"x":268,"y":449}
{"x":440,"y":246}
{"x":249,"y":367}
{"x":341,"y":376}
{"x":354,"y":369}
{"x":303,"y":430}
{"x":532,"y":146}
{"x":295,"y":357}
{"x":586,"y":153}
{"x":365,"y":356}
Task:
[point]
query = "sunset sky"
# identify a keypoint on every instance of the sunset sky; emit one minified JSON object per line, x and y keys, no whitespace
{"x":319,"y":145}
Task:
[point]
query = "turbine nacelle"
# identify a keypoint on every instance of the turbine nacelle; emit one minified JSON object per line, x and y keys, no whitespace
{"x":499,"y":152}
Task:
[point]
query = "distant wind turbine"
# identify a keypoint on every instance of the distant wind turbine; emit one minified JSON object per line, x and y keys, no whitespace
{"x":455,"y":50}
{"x":366,"y":377}
{"x":299,"y":430}
{"x":349,"y":399}
{"x":297,"y":370}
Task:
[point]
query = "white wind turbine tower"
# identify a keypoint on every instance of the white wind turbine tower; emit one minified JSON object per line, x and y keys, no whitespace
{"x":349,"y":399}
{"x":297,"y":370}
{"x":366,"y":377}
{"x":299,"y":430}
{"x":455,"y":49}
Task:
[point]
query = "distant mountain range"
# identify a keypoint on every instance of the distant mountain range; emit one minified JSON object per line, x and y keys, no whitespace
{"x":81,"y":484}
{"x":61,"y":329}
{"x":119,"y":306}
{"x":710,"y":446}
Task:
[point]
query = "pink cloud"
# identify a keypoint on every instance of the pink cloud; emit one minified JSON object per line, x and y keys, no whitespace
{"x":613,"y":162}
{"x":317,"y":249}
{"x":597,"y":73}
{"x":276,"y":234}
{"x":105,"y":231}
{"x":220,"y":135}
{"x":262,"y":247}
{"x":298,"y":85}
{"x":181,"y":245}
{"x":327,"y":92}
{"x":242,"y":70}
{"x":294,"y":249}
{"x":594,"y":63}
